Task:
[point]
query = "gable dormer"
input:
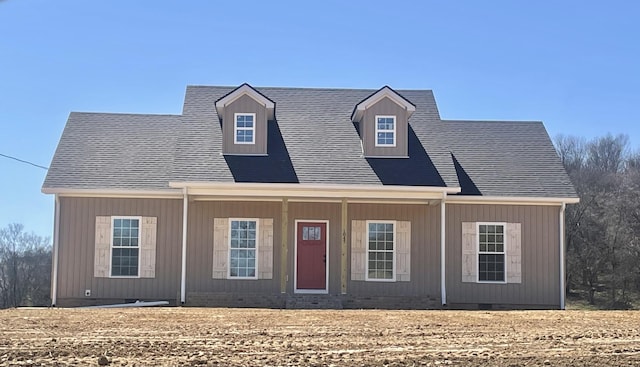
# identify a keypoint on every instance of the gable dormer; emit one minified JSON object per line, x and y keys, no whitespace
{"x":244,"y":113}
{"x":383,"y":120}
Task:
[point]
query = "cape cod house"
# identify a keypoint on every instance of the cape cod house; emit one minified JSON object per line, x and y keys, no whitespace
{"x":271,"y":197}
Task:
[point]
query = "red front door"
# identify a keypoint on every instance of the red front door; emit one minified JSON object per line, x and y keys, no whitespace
{"x":312,"y":255}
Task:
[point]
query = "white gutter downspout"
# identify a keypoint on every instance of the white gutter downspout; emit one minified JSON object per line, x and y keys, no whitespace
{"x":443,"y":284}
{"x":56,"y":236}
{"x":183,"y":277}
{"x":562,"y":252}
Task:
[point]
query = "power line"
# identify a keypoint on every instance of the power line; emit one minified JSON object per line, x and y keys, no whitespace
{"x":23,"y":161}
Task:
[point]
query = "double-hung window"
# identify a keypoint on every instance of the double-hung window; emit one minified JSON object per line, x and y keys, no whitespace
{"x":243,"y":247}
{"x":380,"y":250}
{"x":491,"y":252}
{"x":244,"y":128}
{"x":125,"y":246}
{"x":385,"y":131}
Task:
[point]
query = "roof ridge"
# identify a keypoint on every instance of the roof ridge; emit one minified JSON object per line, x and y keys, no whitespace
{"x":124,"y":114}
{"x":496,"y":121}
{"x":314,"y":88}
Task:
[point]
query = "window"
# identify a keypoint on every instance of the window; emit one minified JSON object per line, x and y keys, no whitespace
{"x":385,"y":131}
{"x":491,"y":252}
{"x":125,"y":246}
{"x":311,"y":233}
{"x":242,"y":248}
{"x":380,"y":251}
{"x":244,"y":128}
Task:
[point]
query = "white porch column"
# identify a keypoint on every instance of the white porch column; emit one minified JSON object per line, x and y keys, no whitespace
{"x":183,"y":277}
{"x":562,"y":253}
{"x":443,"y":271}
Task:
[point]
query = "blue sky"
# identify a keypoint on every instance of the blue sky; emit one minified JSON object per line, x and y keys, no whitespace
{"x":573,"y":64}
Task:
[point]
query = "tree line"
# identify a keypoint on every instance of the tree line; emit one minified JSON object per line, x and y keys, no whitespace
{"x":25,"y":268}
{"x":603,"y":230}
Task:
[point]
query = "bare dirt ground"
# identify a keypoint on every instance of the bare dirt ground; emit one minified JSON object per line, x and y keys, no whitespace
{"x":250,"y":337}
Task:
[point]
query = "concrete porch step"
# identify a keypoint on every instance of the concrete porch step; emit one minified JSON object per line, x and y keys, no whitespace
{"x":313,"y":301}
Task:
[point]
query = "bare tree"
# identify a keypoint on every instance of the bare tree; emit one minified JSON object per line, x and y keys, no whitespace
{"x":25,"y":267}
{"x":603,"y":230}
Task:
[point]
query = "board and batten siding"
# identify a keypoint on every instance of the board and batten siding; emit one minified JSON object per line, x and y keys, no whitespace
{"x":385,"y":107}
{"x":244,"y":104}
{"x":425,"y":249}
{"x":539,"y":255}
{"x":200,"y":246}
{"x":77,"y":249}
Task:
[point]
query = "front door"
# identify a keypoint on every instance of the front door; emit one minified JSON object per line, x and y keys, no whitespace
{"x":311,"y":258}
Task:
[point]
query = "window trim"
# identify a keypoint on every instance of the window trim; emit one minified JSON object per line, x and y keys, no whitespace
{"x":111,"y":228}
{"x":255,"y":277}
{"x":394,"y":131}
{"x":235,"y":128}
{"x":504,"y":252}
{"x":395,"y":246}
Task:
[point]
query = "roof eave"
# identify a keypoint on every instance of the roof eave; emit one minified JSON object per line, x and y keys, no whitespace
{"x":246,"y":89}
{"x":381,"y":93}
{"x":313,"y":190}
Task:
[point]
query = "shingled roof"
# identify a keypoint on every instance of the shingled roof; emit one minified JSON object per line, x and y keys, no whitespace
{"x":313,"y":140}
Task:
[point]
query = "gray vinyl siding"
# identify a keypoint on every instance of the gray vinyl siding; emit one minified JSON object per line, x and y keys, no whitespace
{"x":244,"y":104}
{"x":77,"y":243}
{"x":200,"y":246}
{"x":425,"y":249}
{"x":368,"y":129}
{"x":540,"y":255}
{"x":318,"y":211}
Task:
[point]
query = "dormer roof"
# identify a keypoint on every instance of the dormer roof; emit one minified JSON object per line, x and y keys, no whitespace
{"x":245,"y":88}
{"x":381,"y":93}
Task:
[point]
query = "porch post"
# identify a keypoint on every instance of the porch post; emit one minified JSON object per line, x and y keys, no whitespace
{"x":343,"y":258}
{"x":183,"y":274}
{"x":443,"y":260}
{"x":285,"y":242}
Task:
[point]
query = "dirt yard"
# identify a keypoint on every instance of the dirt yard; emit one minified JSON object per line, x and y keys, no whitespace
{"x":249,"y":337}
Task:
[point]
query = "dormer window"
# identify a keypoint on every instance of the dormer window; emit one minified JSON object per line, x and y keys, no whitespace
{"x":383,"y":124}
{"x":245,"y":128}
{"x":385,"y":131}
{"x":244,"y":114}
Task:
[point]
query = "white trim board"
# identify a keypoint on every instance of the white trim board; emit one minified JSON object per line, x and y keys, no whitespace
{"x":510,"y":200}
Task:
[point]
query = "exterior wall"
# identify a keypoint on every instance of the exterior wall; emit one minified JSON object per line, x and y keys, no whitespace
{"x":421,"y":292}
{"x":200,"y":246}
{"x":540,"y":256}
{"x":425,"y":249}
{"x":244,"y":104}
{"x":77,"y":243}
{"x":368,"y":129}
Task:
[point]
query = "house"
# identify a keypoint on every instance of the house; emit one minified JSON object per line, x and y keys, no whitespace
{"x":264,"y":197}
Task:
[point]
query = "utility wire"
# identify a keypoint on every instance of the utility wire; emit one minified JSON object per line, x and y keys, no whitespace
{"x":23,"y":161}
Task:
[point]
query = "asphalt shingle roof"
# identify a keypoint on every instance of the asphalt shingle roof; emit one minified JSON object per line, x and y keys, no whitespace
{"x":312,"y":141}
{"x":114,"y":151}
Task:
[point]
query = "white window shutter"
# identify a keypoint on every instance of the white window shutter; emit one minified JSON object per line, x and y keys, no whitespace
{"x":358,"y":249}
{"x":220,"y":247}
{"x":403,"y":251}
{"x":514,"y":253}
{"x":148,"y":247}
{"x":265,"y":248}
{"x":469,"y":252}
{"x":102,"y":247}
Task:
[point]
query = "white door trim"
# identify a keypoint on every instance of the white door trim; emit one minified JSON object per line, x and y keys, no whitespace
{"x":295,"y":258}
